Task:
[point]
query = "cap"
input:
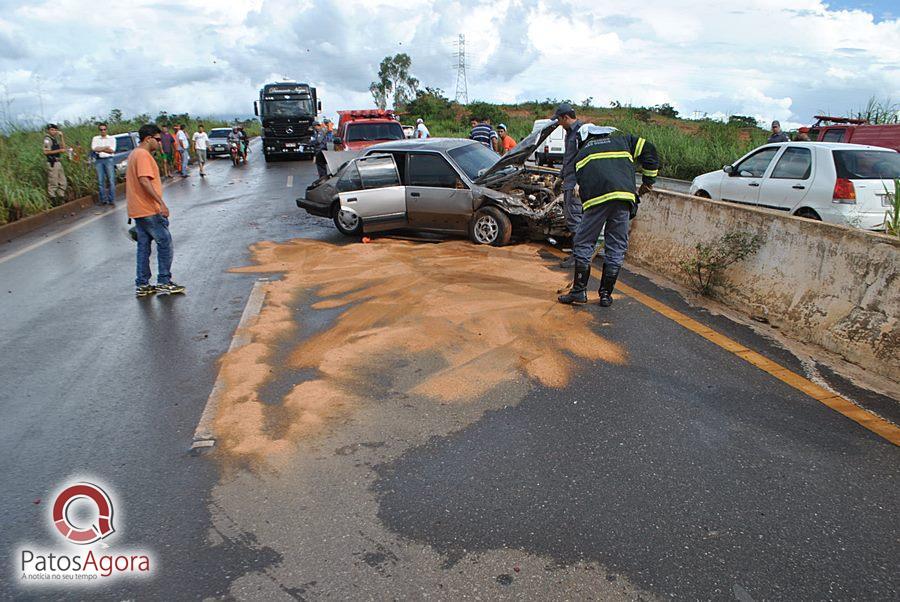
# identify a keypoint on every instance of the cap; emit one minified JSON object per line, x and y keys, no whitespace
{"x":420,"y":120}
{"x":502,"y":126}
{"x":564,"y":108}
{"x":776,"y":122}
{"x":52,"y":126}
{"x":327,"y":121}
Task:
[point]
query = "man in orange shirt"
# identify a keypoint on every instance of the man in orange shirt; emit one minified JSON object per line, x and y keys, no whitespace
{"x":143,"y":192}
{"x":506,"y":141}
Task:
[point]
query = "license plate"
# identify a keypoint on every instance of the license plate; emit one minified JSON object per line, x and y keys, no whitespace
{"x":290,"y":145}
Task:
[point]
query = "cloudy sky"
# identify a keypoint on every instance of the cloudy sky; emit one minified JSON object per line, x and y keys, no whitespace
{"x":773,"y":59}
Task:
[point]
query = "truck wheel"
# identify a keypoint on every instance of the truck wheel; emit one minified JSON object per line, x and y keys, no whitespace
{"x":347,"y":223}
{"x":490,"y":226}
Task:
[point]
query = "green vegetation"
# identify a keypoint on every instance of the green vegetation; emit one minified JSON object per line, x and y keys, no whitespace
{"x":23,"y":168}
{"x":705,"y":267}
{"x":892,"y":215}
{"x":687,"y":148}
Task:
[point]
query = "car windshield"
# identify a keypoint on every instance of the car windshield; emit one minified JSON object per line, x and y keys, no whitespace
{"x":219,"y":134}
{"x":360,"y":132}
{"x":299,"y":107}
{"x":473,"y":159}
{"x":867,"y":164}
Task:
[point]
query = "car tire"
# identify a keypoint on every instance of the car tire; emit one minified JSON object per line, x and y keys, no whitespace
{"x":490,"y":226}
{"x":807,"y":213}
{"x":345,"y":225}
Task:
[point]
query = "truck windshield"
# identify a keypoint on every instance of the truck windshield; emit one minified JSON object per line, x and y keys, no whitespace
{"x":473,"y":159}
{"x":359,"y":132}
{"x":867,"y":164}
{"x":295,"y":107}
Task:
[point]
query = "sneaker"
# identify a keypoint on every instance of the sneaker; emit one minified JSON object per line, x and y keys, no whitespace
{"x":169,"y":288}
{"x":144,"y":290}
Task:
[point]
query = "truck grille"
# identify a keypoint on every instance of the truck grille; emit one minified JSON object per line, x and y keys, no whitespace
{"x":290,"y":131}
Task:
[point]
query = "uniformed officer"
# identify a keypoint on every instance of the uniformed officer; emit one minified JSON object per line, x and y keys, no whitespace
{"x":604,"y":168}
{"x":54,"y":148}
{"x":565,"y":116}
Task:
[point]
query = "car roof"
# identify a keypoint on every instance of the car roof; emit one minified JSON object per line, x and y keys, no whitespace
{"x":431,"y":144}
{"x":831,"y":145}
{"x":217,"y":129}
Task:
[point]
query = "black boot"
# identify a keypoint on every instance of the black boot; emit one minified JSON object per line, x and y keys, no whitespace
{"x":578,"y":294}
{"x":607,"y":284}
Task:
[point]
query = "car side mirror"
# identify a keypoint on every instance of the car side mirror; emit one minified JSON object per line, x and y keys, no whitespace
{"x":256,"y":108}
{"x":729,"y":169}
{"x":319,"y":105}
{"x":337,"y":141}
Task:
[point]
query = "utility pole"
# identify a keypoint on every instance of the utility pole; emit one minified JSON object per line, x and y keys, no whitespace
{"x":462,"y":87}
{"x":40,"y":95}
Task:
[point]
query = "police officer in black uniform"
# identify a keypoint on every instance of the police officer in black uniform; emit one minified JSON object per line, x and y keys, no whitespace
{"x":604,"y":168}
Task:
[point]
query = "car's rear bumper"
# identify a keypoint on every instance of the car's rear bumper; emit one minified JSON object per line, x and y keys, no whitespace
{"x":314,"y":208}
{"x":848,"y":215}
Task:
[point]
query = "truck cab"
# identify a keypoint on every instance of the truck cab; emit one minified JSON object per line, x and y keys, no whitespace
{"x":855,"y":131}
{"x":360,"y":129}
{"x":287,"y":111}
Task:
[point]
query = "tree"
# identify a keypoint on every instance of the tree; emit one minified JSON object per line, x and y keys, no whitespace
{"x":394,"y":80}
{"x":115,"y":116}
{"x":742,"y":121}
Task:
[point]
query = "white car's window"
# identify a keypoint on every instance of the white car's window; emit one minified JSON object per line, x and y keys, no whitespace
{"x":124,"y":143}
{"x":349,"y":179}
{"x":794,"y":164}
{"x":867,"y":164}
{"x":755,"y":165}
{"x":431,"y":170}
{"x":378,"y":172}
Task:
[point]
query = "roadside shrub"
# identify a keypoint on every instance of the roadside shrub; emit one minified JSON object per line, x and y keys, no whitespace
{"x":483,"y":110}
{"x":431,"y":105}
{"x":705,"y":267}
{"x":892,"y":215}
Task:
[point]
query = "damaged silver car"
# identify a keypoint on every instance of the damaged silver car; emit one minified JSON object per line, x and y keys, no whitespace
{"x":443,"y":185}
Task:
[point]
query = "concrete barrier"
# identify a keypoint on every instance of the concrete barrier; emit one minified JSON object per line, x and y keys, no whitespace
{"x":832,"y":286}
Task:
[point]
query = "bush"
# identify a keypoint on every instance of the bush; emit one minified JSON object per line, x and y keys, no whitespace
{"x":704,"y":268}
{"x":430,"y":105}
{"x":484,"y":110}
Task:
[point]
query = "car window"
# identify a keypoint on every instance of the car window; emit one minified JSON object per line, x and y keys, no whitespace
{"x":867,"y":164}
{"x":431,"y":170}
{"x":473,"y":159}
{"x":755,"y":165}
{"x":358,"y":132}
{"x":124,"y":143}
{"x":349,"y":179}
{"x":378,"y":172}
{"x":219,"y":134}
{"x":833,"y":135}
{"x":794,"y":164}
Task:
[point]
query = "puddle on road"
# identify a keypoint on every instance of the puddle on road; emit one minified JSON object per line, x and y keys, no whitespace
{"x":489,"y":315}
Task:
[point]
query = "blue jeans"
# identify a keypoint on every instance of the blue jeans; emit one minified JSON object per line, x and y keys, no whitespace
{"x":614,"y":215}
{"x":154,"y":227}
{"x":185,"y":158}
{"x":106,"y":179}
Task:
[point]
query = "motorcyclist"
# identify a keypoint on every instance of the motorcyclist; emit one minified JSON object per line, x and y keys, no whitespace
{"x":234,"y":136}
{"x":245,"y":140}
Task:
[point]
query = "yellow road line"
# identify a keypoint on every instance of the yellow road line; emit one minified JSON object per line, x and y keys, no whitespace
{"x":861,"y":416}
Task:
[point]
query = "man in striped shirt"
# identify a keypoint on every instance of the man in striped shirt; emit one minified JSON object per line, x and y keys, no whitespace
{"x":485,"y":134}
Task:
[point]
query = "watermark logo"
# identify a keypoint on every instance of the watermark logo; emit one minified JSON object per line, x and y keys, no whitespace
{"x":81,"y":516}
{"x":83,"y":535}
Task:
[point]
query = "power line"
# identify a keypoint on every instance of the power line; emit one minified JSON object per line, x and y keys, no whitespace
{"x":462,"y":87}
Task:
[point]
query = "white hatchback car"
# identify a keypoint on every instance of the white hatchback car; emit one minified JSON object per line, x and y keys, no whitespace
{"x":847,"y":184}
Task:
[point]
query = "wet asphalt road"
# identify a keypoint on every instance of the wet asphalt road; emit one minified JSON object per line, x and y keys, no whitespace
{"x":687,"y":473}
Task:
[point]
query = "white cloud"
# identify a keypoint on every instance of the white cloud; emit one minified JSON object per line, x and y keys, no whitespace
{"x":773,"y":59}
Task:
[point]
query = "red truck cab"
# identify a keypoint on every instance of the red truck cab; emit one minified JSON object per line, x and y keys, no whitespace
{"x":854,"y":131}
{"x":362,"y":128}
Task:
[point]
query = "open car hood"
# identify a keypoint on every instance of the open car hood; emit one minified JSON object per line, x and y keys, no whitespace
{"x":334,"y":159}
{"x":520,"y":152}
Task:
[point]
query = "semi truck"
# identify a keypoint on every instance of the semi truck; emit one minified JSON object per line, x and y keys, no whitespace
{"x":287,"y":111}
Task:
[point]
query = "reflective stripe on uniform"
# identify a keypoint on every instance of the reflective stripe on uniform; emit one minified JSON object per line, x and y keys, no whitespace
{"x":606,"y":155}
{"x":638,"y":148}
{"x":650,"y":173}
{"x":609,"y":196}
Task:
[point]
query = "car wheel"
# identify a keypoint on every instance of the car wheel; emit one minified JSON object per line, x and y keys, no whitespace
{"x":348,"y":223}
{"x":490,"y":226}
{"x":702,"y":194}
{"x":808,"y":214}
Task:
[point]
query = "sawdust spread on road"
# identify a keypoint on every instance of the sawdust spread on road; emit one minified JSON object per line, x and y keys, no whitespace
{"x":483,"y":315}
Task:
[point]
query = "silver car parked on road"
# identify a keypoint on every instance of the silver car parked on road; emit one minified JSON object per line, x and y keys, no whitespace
{"x":443,"y":185}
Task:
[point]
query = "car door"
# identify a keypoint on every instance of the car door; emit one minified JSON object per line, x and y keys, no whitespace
{"x":789,"y":181}
{"x":437,"y":198}
{"x":371,"y":188}
{"x":743,"y":183}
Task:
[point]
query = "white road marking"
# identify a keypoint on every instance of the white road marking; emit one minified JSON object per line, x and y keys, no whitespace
{"x":290,"y":183}
{"x":60,"y":234}
{"x":203,"y":434}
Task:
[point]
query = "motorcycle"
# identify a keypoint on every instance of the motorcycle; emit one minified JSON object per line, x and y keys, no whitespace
{"x":237,"y":156}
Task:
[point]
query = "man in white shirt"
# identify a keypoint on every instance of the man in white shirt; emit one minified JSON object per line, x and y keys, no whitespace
{"x":185,"y":150}
{"x":201,"y":143}
{"x":421,"y":130}
{"x":104,"y":149}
